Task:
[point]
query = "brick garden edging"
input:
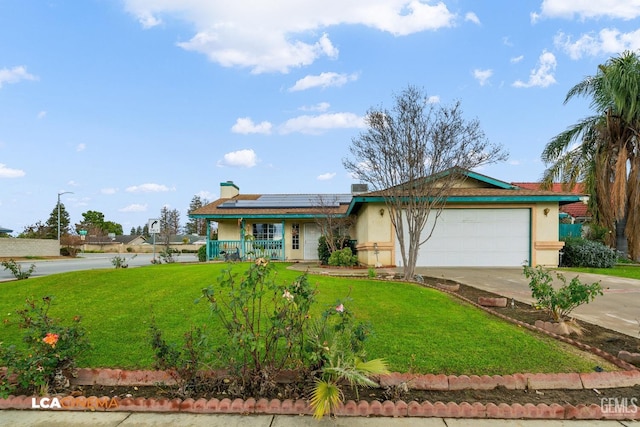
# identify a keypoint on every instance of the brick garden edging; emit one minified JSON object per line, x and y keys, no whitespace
{"x":601,"y":380}
{"x":594,"y":380}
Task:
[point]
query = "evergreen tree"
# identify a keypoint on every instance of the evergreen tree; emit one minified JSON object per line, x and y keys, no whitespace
{"x":196,"y":225}
{"x":52,"y":222}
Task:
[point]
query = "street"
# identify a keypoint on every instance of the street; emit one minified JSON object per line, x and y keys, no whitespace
{"x":88,"y":261}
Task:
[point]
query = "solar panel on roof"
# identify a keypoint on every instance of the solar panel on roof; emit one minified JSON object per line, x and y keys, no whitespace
{"x":290,"y":201}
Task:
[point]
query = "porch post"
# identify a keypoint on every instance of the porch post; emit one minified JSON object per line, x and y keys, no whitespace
{"x":208,"y":240}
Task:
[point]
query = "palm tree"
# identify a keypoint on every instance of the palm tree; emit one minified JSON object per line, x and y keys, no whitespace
{"x":603,"y":150}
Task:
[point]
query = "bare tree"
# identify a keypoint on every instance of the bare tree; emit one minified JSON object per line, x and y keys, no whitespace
{"x":333,"y":226}
{"x":169,"y":224}
{"x":411,"y":156}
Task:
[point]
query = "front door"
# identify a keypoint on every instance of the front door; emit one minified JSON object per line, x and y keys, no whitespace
{"x":311,"y":236}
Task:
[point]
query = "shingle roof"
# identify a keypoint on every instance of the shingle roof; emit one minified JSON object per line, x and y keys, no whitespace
{"x":276,"y":204}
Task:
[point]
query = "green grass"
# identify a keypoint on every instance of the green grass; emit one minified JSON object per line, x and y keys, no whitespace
{"x":415,"y":329}
{"x":617,"y":271}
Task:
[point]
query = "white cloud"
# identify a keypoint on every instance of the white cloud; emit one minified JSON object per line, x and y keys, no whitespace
{"x":73,"y":183}
{"x":147,"y":188}
{"x":542,"y":76}
{"x":589,"y":9}
{"x":206,"y":195}
{"x":607,"y":41}
{"x":433,"y":99}
{"x":323,"y":122}
{"x":242,"y":158}
{"x":482,"y":76}
{"x":321,"y":107}
{"x":323,"y":80}
{"x":15,"y":75}
{"x":472,"y":17}
{"x":42,"y":114}
{"x":81,"y":147}
{"x":6,"y":172}
{"x":277,"y":36}
{"x":109,"y":190}
{"x":517,"y":59}
{"x":246,"y":126}
{"x":326,"y":176}
{"x":135,"y":207}
{"x":147,"y":20}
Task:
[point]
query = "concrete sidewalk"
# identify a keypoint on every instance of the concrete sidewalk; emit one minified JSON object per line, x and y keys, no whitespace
{"x":129,"y":419}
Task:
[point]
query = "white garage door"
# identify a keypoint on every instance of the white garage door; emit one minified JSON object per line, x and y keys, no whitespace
{"x":477,"y":237}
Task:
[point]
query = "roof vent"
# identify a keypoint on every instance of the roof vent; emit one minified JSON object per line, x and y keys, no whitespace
{"x":359,"y":188}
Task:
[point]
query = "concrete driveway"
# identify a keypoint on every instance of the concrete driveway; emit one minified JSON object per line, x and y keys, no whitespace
{"x":618,"y":309}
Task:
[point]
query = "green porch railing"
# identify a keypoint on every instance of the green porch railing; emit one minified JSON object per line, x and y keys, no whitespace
{"x":248,"y":249}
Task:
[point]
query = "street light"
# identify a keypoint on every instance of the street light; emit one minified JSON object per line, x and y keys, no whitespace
{"x":60,"y":194}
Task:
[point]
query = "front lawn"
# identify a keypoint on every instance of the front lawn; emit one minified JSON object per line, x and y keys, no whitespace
{"x":415,"y":329}
{"x":618,"y":271}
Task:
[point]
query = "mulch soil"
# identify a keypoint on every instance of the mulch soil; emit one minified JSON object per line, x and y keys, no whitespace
{"x":607,"y":340}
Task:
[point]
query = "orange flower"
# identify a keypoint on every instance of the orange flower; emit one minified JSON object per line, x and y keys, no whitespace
{"x":51,"y":339}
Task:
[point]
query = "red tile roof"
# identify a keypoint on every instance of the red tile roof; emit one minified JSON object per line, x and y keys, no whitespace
{"x":576,"y":210}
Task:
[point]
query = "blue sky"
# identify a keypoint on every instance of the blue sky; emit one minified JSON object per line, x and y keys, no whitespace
{"x":133,"y":105}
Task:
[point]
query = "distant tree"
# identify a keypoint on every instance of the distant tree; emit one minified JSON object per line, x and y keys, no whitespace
{"x":145,"y":231}
{"x":138,"y":231}
{"x":52,"y":222}
{"x":169,"y":224}
{"x":196,"y":225}
{"x":132,"y":232}
{"x":35,"y":231}
{"x":112,"y":227}
{"x":94,"y":224}
{"x":409,"y":155}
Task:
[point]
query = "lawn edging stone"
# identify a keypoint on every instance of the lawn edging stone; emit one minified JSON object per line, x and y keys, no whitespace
{"x":349,"y":408}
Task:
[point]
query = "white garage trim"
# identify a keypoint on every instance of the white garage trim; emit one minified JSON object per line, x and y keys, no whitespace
{"x":476,"y":238}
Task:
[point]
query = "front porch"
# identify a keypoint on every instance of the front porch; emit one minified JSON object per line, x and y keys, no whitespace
{"x":247,"y":249}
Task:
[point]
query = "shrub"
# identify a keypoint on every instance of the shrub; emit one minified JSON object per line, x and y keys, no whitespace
{"x":202,"y":253}
{"x":323,"y":248}
{"x":264,"y":320}
{"x":181,"y":360}
{"x":120,"y":261}
{"x":69,"y":251}
{"x":269,"y":329}
{"x":49,"y":360}
{"x":587,"y":253}
{"x":16,"y":269}
{"x":561,"y":302}
{"x":343,"y":258}
{"x":167,"y":255}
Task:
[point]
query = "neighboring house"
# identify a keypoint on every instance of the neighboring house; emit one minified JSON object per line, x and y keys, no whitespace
{"x":578,"y":211}
{"x":486,"y":222}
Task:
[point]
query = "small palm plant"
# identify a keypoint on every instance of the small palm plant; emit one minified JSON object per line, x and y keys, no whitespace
{"x":338,"y":344}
